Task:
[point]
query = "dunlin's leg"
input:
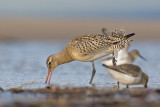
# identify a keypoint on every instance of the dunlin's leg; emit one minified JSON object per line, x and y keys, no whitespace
{"x":145,"y":86}
{"x":93,"y":73}
{"x":118,"y":84}
{"x":127,"y":86}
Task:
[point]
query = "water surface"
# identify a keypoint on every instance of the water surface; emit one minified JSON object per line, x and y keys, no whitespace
{"x":25,"y":62}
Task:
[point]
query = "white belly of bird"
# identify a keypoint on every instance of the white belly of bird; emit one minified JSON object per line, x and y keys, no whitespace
{"x":97,"y":56}
{"x":124,"y":78}
{"x":120,"y":61}
{"x":108,"y":62}
{"x":123,"y":61}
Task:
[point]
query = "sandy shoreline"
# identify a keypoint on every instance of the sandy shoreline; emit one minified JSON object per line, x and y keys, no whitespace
{"x":80,"y":97}
{"x":66,"y":29}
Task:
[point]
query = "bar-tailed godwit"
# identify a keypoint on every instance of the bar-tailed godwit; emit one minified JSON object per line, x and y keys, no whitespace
{"x":128,"y":74}
{"x":87,"y":48}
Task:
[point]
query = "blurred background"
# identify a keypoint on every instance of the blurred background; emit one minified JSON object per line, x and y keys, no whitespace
{"x":59,"y":19}
{"x":31,"y":30}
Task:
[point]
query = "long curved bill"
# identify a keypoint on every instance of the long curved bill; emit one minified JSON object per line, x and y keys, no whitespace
{"x":49,"y":74}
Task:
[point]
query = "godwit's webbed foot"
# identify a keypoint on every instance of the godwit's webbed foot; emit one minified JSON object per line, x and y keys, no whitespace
{"x":93,"y":73}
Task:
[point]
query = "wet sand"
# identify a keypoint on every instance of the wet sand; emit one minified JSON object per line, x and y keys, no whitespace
{"x":54,"y":96}
{"x":29,"y":29}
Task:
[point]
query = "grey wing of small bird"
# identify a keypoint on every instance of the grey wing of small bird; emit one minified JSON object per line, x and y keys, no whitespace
{"x":128,"y":69}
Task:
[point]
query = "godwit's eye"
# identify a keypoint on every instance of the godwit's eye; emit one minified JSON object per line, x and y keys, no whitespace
{"x":49,"y":63}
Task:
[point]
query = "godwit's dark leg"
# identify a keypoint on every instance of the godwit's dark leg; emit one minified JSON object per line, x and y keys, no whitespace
{"x":93,"y":73}
{"x":118,"y":84}
{"x":114,"y":60}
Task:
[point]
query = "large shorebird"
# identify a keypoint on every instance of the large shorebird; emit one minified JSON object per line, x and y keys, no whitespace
{"x":123,"y":56}
{"x":87,"y":48}
{"x":128,"y":74}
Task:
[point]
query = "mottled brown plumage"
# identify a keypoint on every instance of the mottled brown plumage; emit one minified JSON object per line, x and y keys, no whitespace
{"x":89,"y":43}
{"x":128,"y":74}
{"x":83,"y":46}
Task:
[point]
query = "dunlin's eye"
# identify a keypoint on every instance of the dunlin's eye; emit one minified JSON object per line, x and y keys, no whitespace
{"x":49,"y":63}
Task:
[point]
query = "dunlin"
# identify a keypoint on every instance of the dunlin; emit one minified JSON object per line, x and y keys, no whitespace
{"x":124,"y":57}
{"x":128,"y":74}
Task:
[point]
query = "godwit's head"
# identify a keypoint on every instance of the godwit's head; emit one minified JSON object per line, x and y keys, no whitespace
{"x":51,"y":64}
{"x":136,"y":54}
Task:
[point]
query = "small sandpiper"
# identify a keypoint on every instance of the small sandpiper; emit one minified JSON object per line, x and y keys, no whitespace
{"x":128,"y":74}
{"x":123,"y":57}
{"x":87,"y":48}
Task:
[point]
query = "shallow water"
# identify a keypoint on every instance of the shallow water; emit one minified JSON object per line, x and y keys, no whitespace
{"x":25,"y":62}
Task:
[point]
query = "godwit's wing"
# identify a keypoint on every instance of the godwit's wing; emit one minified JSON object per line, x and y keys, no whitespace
{"x":91,"y":43}
{"x":95,"y":46}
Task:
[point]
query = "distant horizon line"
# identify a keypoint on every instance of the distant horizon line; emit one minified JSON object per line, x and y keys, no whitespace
{"x":78,"y":18}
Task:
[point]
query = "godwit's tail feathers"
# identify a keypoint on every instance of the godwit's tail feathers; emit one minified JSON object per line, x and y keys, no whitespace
{"x":129,"y":35}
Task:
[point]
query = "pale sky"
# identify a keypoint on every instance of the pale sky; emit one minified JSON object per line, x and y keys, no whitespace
{"x":80,"y":7}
